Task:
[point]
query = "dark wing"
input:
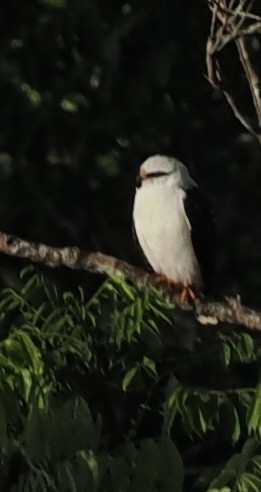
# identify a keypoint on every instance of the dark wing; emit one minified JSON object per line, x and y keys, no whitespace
{"x":203,"y":233}
{"x":141,"y":258}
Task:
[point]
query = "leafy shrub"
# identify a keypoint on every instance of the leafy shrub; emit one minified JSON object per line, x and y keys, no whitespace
{"x":104,"y":394}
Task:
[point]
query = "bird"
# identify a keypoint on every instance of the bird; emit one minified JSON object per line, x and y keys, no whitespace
{"x":174,"y":226}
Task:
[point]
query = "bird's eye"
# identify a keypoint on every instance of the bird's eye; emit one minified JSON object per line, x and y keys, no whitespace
{"x":138,"y":181}
{"x":157,"y":174}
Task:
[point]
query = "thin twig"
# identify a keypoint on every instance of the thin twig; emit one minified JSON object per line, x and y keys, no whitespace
{"x":243,"y":119}
{"x":254,"y":81}
{"x":239,"y":12}
{"x":233,"y":22}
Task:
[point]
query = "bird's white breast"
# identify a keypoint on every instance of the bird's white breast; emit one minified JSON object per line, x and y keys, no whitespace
{"x":163,"y":231}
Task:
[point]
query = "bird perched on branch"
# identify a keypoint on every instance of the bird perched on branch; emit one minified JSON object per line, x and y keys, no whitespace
{"x":174,"y":226}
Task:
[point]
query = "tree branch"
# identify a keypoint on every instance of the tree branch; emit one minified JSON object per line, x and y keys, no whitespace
{"x":233,"y":22}
{"x":207,"y":312}
{"x":229,"y":311}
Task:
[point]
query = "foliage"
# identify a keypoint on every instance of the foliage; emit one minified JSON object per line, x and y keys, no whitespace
{"x":96,"y":394}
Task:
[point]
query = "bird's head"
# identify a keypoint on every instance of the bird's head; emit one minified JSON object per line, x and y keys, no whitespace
{"x":160,"y":169}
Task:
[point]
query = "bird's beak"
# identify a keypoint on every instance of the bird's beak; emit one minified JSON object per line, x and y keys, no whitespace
{"x":140,"y":177}
{"x":138,"y":181}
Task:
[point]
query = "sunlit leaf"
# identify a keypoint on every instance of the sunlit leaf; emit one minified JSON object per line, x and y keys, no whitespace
{"x":128,"y":378}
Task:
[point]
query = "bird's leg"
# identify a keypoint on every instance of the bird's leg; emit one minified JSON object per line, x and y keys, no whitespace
{"x":183,"y":289}
{"x":187,"y":293}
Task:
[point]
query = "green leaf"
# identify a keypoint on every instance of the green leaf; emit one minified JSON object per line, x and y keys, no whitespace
{"x":225,"y":354}
{"x":173,"y":465}
{"x":66,"y":479}
{"x":254,"y":414}
{"x":127,"y":289}
{"x":256,"y":462}
{"x":157,"y":465}
{"x":250,"y":447}
{"x":248,"y":482}
{"x":128,"y":378}
{"x":86,"y":470}
{"x":149,"y":364}
{"x":247,"y":348}
{"x":30,"y":351}
{"x":171,"y":408}
{"x":237,"y":462}
{"x":226,"y":477}
{"x":196,"y":420}
{"x":229,"y":421}
{"x":233,"y":469}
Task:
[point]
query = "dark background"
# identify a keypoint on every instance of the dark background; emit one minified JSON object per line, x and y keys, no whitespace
{"x":89,"y":89}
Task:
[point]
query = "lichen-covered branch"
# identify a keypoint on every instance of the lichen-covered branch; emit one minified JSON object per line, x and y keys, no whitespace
{"x":76,"y":259}
{"x":206,"y":311}
{"x":229,"y":311}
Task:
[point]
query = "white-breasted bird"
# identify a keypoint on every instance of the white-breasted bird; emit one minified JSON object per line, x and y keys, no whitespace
{"x":173,"y":224}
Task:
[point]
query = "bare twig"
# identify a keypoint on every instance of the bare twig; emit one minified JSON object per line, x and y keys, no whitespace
{"x":239,"y":12}
{"x":242,"y":118}
{"x":254,"y":81}
{"x":233,"y":22}
{"x":252,"y":29}
{"x":207,"y":312}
